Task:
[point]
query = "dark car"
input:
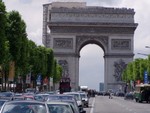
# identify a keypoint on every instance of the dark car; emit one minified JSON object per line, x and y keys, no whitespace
{"x":120,"y":94}
{"x":129,"y":96}
{"x":2,"y":101}
{"x":6,"y":95}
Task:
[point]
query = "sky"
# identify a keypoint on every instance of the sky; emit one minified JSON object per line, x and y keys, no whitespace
{"x":91,"y":60}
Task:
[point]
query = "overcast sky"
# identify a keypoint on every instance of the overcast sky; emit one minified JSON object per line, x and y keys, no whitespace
{"x":91,"y":60}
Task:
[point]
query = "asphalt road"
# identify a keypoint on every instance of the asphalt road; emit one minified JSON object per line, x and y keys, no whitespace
{"x":102,"y":104}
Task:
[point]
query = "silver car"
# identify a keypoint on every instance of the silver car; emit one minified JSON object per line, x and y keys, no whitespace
{"x":24,"y":107}
{"x":85,"y":99}
{"x":60,"y":107}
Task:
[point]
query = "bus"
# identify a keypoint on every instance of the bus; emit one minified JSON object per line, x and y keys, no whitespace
{"x":64,"y":85}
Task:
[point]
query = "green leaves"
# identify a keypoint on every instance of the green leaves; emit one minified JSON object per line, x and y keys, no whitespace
{"x":135,"y":70}
{"x":2,"y":31}
{"x":15,"y":46}
{"x":14,"y":34}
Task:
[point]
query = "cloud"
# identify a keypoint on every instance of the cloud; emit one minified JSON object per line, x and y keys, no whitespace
{"x":32,"y":14}
{"x":25,"y":1}
{"x":67,"y":0}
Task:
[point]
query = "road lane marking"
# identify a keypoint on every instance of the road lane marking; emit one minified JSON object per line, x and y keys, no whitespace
{"x":92,"y":109}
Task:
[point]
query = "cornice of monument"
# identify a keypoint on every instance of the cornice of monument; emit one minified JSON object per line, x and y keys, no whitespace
{"x":95,"y":24}
{"x":118,"y":55}
{"x":93,"y":9}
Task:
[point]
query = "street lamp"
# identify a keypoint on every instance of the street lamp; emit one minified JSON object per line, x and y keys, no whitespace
{"x":147,"y":46}
{"x":143,"y":54}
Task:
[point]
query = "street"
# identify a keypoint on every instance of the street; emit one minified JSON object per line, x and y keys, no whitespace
{"x":102,"y":104}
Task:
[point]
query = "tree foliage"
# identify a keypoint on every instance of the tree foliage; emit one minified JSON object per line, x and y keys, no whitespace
{"x":2,"y":31}
{"x":135,"y":70}
{"x":28,"y":57}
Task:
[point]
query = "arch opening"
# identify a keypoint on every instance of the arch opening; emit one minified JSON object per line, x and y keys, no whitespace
{"x":91,"y":65}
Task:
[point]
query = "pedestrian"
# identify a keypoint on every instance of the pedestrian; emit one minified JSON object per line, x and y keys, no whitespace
{"x":110,"y":95}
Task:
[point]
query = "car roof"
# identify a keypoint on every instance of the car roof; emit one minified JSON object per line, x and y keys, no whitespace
{"x":25,"y":101}
{"x":71,"y":93}
{"x":58,"y":102}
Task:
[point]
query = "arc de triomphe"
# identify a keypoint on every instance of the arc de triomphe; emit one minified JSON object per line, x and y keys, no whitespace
{"x":69,"y":26}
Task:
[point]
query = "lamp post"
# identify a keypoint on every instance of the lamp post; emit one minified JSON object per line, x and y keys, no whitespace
{"x":143,"y":54}
{"x":147,"y":46}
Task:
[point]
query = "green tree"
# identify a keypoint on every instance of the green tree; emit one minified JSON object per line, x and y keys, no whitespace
{"x":16,"y":35}
{"x":143,"y":67}
{"x":57,"y":72}
{"x":148,"y":66}
{"x":50,"y":59}
{"x":32,"y":56}
{"x":136,"y":69}
{"x":22,"y":63}
{"x":2,"y":31}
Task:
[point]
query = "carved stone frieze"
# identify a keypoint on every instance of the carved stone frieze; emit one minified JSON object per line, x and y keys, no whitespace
{"x":63,"y":43}
{"x":119,"y":67}
{"x":121,"y":44}
{"x":113,"y":16}
{"x":64,"y":64}
{"x":90,"y":10}
{"x":93,"y":30}
{"x":81,"y":39}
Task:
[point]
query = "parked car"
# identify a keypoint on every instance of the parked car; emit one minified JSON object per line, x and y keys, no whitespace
{"x":142,"y":93}
{"x":85,"y":99}
{"x":6,"y":95}
{"x":60,"y":97}
{"x":41,"y":96}
{"x":24,"y":107}
{"x":78,"y":98}
{"x":2,"y":101}
{"x":129,"y":96}
{"x":120,"y":94}
{"x":74,"y":105}
{"x":60,"y":107}
{"x":64,"y":98}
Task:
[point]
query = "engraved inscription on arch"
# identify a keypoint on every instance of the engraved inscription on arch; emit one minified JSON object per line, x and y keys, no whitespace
{"x":124,"y":44}
{"x":63,"y":43}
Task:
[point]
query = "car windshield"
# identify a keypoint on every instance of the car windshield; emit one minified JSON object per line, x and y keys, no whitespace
{"x":24,"y":108}
{"x":60,"y":97}
{"x":83,"y":95}
{"x":6,"y":94}
{"x":1,"y":103}
{"x":58,"y":108}
{"x":77,"y":97}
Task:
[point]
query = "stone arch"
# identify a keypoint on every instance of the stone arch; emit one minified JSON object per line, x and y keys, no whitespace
{"x":83,"y":40}
{"x":74,"y":25}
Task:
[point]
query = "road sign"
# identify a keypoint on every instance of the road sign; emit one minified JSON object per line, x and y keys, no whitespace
{"x":145,"y":77}
{"x":38,"y":80}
